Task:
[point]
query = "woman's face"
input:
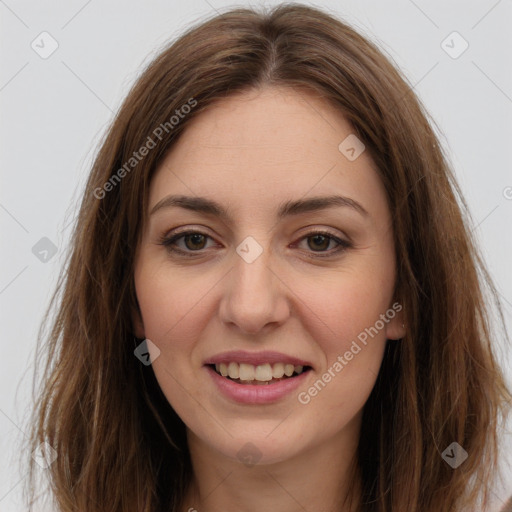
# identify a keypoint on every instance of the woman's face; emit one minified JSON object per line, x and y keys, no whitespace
{"x":267,"y":285}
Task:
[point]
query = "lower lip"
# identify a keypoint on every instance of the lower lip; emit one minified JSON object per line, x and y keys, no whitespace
{"x":254,"y":393}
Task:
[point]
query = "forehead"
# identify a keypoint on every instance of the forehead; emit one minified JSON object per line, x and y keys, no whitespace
{"x":257,"y":147}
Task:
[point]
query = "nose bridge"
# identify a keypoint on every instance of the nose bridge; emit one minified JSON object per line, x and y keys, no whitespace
{"x":253,"y":296}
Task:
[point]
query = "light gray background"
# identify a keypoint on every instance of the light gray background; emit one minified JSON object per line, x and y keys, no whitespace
{"x":55,"y":110}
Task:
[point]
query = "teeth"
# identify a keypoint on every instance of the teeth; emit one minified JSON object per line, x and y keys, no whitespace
{"x":262,"y":373}
{"x":233,"y":370}
{"x":278,"y":370}
{"x":246,"y":372}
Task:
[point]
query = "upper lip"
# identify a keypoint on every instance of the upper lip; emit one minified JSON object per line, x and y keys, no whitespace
{"x":256,"y":358}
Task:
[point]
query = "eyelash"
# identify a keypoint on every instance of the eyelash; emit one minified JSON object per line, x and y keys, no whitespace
{"x":169,"y":242}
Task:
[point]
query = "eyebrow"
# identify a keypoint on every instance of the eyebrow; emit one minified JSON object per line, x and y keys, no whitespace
{"x":286,"y":209}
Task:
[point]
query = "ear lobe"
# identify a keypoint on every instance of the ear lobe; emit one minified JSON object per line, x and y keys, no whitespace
{"x":396,"y":328}
{"x":137,"y":323}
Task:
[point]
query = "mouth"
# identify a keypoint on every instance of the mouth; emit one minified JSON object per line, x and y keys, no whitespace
{"x":258,"y":375}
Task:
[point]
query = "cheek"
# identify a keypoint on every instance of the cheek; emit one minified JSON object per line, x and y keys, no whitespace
{"x":173,"y":312}
{"x":345,"y":321}
{"x":342,"y":307}
{"x":352,"y":346}
{"x":171,"y":302}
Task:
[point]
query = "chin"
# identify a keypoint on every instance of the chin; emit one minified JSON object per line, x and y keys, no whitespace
{"x":262,"y":449}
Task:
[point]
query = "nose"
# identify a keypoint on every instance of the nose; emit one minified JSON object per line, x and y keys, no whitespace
{"x":255,"y":295}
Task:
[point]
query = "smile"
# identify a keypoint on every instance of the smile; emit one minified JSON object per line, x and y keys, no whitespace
{"x":261,"y":374}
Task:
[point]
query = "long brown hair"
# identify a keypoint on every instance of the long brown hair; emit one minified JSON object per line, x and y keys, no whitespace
{"x":119,"y":444}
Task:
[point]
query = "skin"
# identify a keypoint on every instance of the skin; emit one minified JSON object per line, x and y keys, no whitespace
{"x":251,"y":152}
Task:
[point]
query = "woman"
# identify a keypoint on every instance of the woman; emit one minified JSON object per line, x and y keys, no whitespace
{"x":327,"y":347}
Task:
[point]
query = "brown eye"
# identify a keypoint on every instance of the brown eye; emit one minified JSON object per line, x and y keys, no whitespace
{"x":185,"y":242}
{"x":192,"y":243}
{"x":320,"y":242}
{"x":196,"y":239}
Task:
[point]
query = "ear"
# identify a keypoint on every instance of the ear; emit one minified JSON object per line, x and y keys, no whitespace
{"x":137,"y":323}
{"x":395,"y":328}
